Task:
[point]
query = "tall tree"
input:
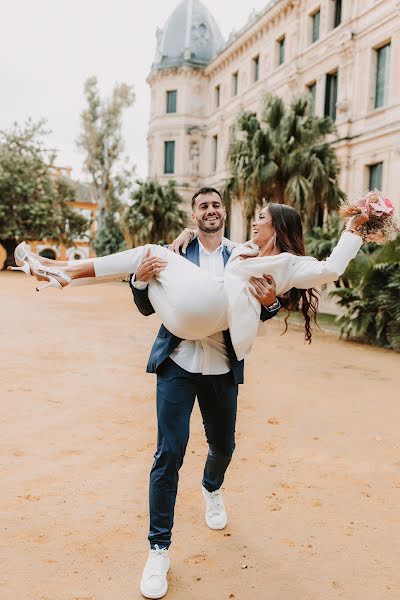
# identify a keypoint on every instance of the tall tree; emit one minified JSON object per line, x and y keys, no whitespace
{"x":68,"y":223}
{"x":155,"y":213}
{"x":284,"y":157}
{"x":101,"y":141}
{"x":31,"y":206}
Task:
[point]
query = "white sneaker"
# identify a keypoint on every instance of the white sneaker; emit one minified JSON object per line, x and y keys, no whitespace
{"x":154,"y":582}
{"x":216,"y":517}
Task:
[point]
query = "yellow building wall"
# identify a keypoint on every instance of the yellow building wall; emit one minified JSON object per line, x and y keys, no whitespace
{"x":80,"y":248}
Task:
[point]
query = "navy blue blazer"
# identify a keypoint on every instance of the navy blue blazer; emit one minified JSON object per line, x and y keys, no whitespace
{"x":165,"y":342}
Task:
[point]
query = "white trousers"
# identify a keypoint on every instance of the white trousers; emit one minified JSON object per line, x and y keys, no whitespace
{"x":190,"y":302}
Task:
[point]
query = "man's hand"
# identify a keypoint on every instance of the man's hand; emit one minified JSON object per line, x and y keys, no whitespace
{"x":263,"y":289}
{"x":150,"y":267}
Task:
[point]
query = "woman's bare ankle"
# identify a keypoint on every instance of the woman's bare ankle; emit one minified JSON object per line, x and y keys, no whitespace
{"x":49,"y":262}
{"x":80,"y":270}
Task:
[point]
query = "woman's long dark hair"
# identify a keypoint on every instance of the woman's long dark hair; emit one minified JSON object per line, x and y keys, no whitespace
{"x":289,"y":238}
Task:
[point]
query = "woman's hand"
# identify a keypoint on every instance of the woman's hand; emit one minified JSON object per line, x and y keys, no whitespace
{"x":357,"y":220}
{"x":182,"y":241}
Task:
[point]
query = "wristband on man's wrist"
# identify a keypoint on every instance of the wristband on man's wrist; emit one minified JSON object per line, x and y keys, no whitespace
{"x":275,"y":306}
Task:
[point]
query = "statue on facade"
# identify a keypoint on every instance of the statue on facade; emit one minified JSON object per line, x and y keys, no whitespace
{"x":194,"y":159}
{"x":200,"y":34}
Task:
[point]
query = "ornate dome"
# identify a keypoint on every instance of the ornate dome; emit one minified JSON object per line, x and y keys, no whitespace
{"x":190,"y":37}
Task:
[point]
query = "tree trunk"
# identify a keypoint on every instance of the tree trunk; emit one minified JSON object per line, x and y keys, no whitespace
{"x":101,"y":210}
{"x":320,"y":216}
{"x":249,"y":221}
{"x":9,"y":246}
{"x":279,"y":193}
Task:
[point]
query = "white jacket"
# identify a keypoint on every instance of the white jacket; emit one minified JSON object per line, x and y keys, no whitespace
{"x":287,"y":270}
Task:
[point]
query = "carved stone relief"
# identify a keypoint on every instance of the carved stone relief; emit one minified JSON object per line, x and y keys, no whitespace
{"x":200,"y":35}
{"x":343,"y":106}
{"x":194,"y":158}
{"x":195,"y":135}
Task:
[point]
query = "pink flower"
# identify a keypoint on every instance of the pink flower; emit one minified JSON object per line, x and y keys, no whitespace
{"x":376,"y":205}
{"x":388,"y":203}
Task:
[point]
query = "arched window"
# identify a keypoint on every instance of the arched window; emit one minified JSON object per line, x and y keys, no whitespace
{"x":48,"y":253}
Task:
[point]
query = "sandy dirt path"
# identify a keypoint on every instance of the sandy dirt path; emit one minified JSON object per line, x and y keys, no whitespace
{"x":313,"y":492}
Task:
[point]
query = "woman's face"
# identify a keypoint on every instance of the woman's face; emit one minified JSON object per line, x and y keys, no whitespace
{"x":262,"y":228}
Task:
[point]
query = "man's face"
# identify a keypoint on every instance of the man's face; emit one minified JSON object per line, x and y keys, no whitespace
{"x":209,"y":213}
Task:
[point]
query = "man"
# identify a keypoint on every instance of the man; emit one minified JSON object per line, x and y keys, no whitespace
{"x":185,"y":369}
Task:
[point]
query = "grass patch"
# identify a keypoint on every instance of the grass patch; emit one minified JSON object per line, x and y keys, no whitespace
{"x":326,"y":322}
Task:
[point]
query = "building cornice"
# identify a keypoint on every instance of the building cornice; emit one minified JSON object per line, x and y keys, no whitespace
{"x":273,"y":14}
{"x":385,"y":130}
{"x":185,"y":71}
{"x":251,"y":33}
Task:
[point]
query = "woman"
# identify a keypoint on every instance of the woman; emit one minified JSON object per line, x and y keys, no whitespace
{"x":193,"y":304}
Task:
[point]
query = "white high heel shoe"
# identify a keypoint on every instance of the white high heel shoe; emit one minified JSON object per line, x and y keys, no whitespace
{"x":21,"y":256}
{"x":51,"y":275}
{"x":31,"y":266}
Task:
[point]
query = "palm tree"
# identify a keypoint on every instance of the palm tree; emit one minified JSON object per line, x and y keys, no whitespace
{"x":372,"y":303}
{"x":320,"y":242}
{"x":284,"y":157}
{"x":155,"y":215}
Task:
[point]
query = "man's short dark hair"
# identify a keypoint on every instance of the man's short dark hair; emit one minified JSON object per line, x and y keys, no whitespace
{"x":205,"y":190}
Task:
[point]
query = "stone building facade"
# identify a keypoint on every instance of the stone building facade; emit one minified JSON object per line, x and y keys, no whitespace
{"x":346,"y":53}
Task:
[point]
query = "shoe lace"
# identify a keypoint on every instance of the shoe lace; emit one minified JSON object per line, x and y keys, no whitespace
{"x":215,"y":504}
{"x":156,"y":559}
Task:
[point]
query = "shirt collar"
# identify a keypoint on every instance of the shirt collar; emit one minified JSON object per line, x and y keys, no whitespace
{"x":206,"y":252}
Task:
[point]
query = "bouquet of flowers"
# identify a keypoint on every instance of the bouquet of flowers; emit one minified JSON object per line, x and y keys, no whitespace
{"x":382,"y":223}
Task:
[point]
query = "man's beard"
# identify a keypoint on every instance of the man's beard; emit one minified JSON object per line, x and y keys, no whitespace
{"x":210,"y":228}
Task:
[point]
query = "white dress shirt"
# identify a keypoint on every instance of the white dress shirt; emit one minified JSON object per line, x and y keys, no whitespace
{"x":209,"y":355}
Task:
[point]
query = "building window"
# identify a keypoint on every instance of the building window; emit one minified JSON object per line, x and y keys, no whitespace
{"x":337,"y":13}
{"x":312,"y":90}
{"x":235,"y":83}
{"x":217,"y":95}
{"x":256,"y":68}
{"x":375,"y":176}
{"x":382,"y":75}
{"x":49,"y":253}
{"x":171,"y":101}
{"x":315,"y":20}
{"x":331,"y":91}
{"x":214,"y":153}
{"x":169,"y":157}
{"x":281,"y":50}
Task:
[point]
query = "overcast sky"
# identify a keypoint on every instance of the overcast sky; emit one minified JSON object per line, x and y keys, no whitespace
{"x":49,"y":47}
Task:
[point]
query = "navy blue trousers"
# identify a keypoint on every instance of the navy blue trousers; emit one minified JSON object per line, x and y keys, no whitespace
{"x":176,"y":393}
